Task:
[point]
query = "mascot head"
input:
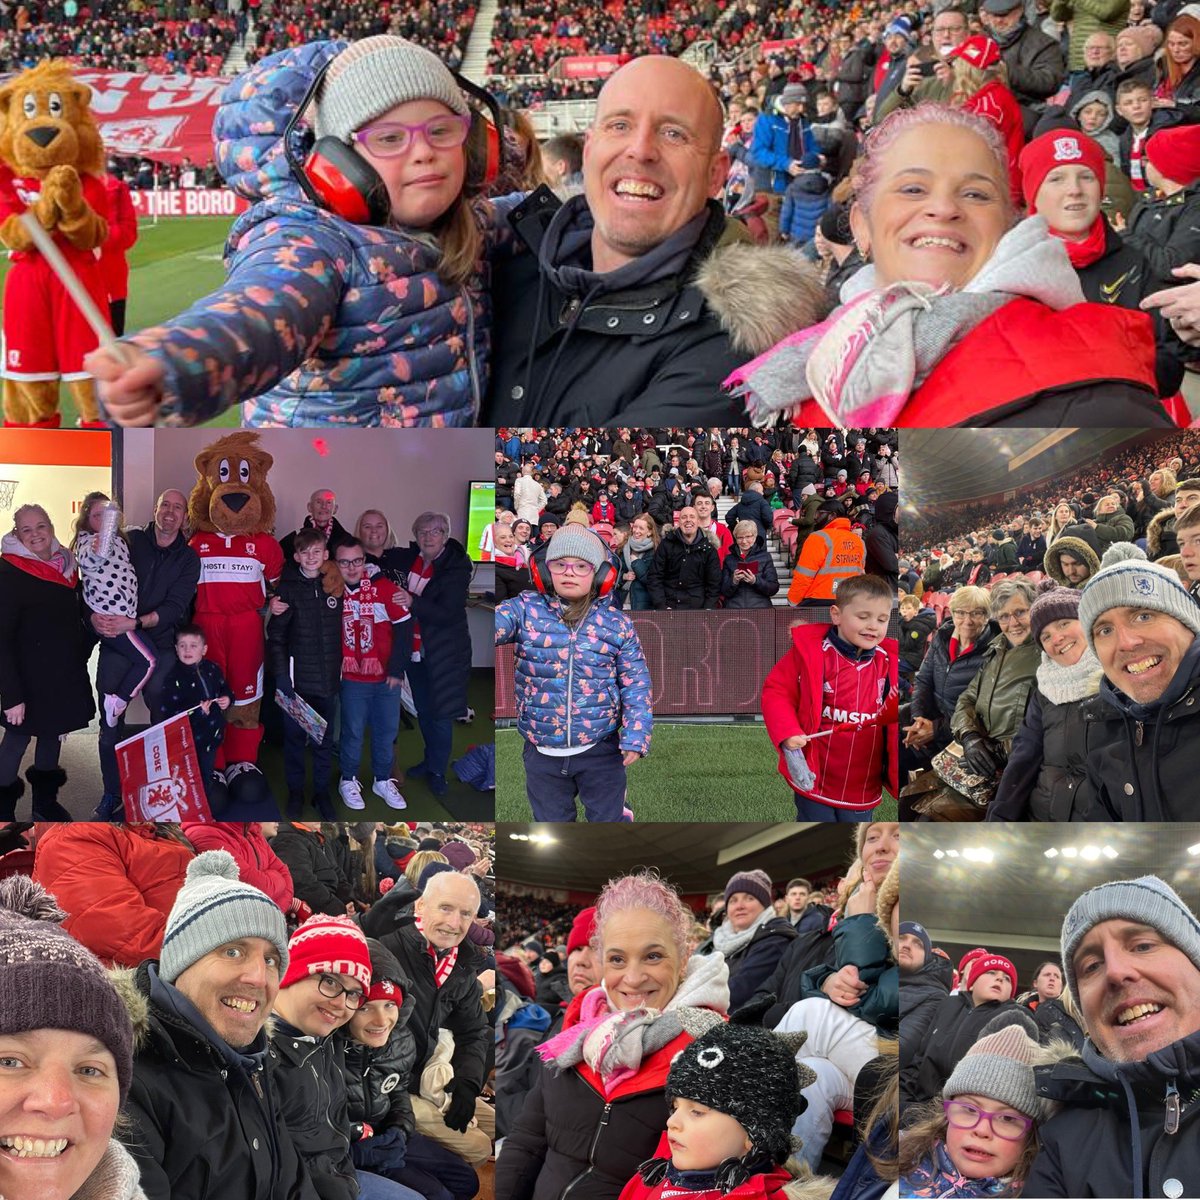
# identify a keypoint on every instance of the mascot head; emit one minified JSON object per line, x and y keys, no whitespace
{"x":232,"y":495}
{"x":46,"y":121}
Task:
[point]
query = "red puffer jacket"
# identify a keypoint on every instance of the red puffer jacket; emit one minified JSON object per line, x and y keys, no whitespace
{"x":117,"y":885}
{"x":258,"y":864}
{"x":757,"y":1187}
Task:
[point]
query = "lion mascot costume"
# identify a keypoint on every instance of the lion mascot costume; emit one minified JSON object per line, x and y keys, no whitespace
{"x":52,"y":162}
{"x":232,"y":510}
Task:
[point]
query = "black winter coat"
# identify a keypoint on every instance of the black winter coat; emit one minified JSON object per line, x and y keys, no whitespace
{"x":305,"y":643}
{"x":629,"y":507}
{"x":205,"y":1129}
{"x":921,"y":995}
{"x":940,"y":682}
{"x":43,"y":654}
{"x":553,"y":988}
{"x":766,"y":581}
{"x":1056,"y":1024}
{"x":752,"y":965}
{"x":1167,"y":233}
{"x":457,"y":1005}
{"x":441,"y":612}
{"x":1090,"y":1148}
{"x":1035,"y":68}
{"x":953,"y":1029}
{"x":377,"y":1080}
{"x":1122,"y":276}
{"x":314,"y":873}
{"x":569,"y":1140}
{"x":1144,"y":765}
{"x":914,"y":638}
{"x":511,"y":581}
{"x":1045,"y":778}
{"x":683,"y":574}
{"x":167,"y":579}
{"x":752,"y":507}
{"x":310,"y":1081}
{"x":1031,"y":551}
{"x":651,"y":354}
{"x":786,"y":983}
{"x":337,"y":535}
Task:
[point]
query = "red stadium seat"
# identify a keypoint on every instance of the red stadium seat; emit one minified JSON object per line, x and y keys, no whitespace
{"x":1036,"y":577}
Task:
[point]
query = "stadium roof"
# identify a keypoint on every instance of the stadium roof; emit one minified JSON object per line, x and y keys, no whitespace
{"x":938,"y":465}
{"x":1015,"y":901}
{"x":695,"y":857}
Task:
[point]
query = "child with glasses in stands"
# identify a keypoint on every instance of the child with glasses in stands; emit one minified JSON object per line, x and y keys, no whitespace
{"x":979,"y":1138}
{"x":582,"y":685}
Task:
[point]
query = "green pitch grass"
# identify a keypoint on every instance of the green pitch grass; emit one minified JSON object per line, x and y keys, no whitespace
{"x":693,"y":773}
{"x":172,"y":264}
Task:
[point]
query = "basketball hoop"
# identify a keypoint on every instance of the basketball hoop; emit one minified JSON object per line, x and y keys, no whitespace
{"x":8,"y":490}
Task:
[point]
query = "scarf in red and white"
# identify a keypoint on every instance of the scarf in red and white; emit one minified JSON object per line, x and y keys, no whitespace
{"x":419,"y":574}
{"x":443,"y":961}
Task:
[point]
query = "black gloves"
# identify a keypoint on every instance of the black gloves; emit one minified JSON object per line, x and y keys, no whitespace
{"x":462,"y":1106}
{"x":984,"y":755}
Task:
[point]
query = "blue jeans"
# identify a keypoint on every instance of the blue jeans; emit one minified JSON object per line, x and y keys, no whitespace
{"x":376,"y":1187}
{"x":436,"y":732}
{"x":814,"y":810}
{"x":377,"y":707}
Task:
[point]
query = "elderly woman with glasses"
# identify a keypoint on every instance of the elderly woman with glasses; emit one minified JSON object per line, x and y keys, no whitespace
{"x":435,"y":574}
{"x":954,"y":656}
{"x":992,"y":706}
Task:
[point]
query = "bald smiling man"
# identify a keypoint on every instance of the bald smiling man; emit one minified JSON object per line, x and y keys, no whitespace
{"x":602,"y":320}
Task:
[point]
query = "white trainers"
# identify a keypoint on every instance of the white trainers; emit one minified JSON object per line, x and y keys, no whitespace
{"x":114,"y":706}
{"x":387,"y":789}
{"x":350,"y":791}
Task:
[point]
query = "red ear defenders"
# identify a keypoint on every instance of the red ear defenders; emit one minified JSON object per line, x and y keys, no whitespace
{"x":539,"y":571}
{"x":334,"y":176}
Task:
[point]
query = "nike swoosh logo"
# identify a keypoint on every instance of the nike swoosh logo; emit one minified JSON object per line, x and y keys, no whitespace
{"x":1109,"y":290}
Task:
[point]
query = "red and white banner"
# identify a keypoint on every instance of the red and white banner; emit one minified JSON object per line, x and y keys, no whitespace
{"x":587,"y":66}
{"x":765,"y":48}
{"x":160,"y":774}
{"x":162,"y":117}
{"x":188,"y":202}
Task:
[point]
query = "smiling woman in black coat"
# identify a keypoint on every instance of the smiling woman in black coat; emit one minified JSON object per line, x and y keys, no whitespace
{"x":436,"y":574}
{"x":44,"y":688}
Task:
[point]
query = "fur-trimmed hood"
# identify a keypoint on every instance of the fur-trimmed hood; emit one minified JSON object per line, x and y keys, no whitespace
{"x":1155,"y":531}
{"x":761,"y":294}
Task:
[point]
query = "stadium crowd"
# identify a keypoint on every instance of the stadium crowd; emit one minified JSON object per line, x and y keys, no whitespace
{"x":824,"y":500}
{"x":1048,"y":645}
{"x":351,"y":614}
{"x":1046,"y":1090}
{"x":274,"y":1011}
{"x":767,"y":956}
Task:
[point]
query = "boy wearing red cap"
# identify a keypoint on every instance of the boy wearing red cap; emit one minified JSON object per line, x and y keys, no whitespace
{"x":1165,"y":224}
{"x":327,"y":981}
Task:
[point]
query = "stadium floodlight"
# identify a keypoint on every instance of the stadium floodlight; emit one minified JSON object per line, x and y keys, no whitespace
{"x":1109,"y":852}
{"x":1051,"y":853}
{"x":939,"y":853}
{"x":952,"y":853}
{"x":1070,"y":852}
{"x":1090,"y":853}
{"x":978,"y":854}
{"x":1194,"y":849}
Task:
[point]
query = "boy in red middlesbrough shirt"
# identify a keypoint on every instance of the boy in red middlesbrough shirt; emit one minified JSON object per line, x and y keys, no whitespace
{"x":838,"y":678}
{"x":376,"y":643}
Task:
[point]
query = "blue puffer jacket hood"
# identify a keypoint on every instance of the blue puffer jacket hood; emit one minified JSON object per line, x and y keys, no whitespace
{"x":254,"y":113}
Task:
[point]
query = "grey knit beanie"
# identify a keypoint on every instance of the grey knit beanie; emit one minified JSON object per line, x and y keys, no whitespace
{"x":372,"y":76}
{"x":1147,"y":900}
{"x":48,"y":980}
{"x":753,"y":883}
{"x":577,"y":541}
{"x":214,"y":907}
{"x":1000,"y":1067}
{"x":1127,"y":580}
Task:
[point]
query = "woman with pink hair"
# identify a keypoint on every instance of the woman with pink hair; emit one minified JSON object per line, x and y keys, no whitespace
{"x":599,"y":1109}
{"x":964,"y":315}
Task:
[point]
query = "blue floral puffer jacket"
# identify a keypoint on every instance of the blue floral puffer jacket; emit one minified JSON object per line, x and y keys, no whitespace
{"x":576,"y":686}
{"x":326,"y":322}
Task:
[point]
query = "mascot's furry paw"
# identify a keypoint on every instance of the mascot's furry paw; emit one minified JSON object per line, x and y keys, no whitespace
{"x":331,"y":579}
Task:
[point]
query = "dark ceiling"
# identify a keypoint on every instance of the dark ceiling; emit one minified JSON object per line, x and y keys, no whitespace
{"x":1015,"y":904}
{"x":696,"y":857}
{"x":965,"y":464}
